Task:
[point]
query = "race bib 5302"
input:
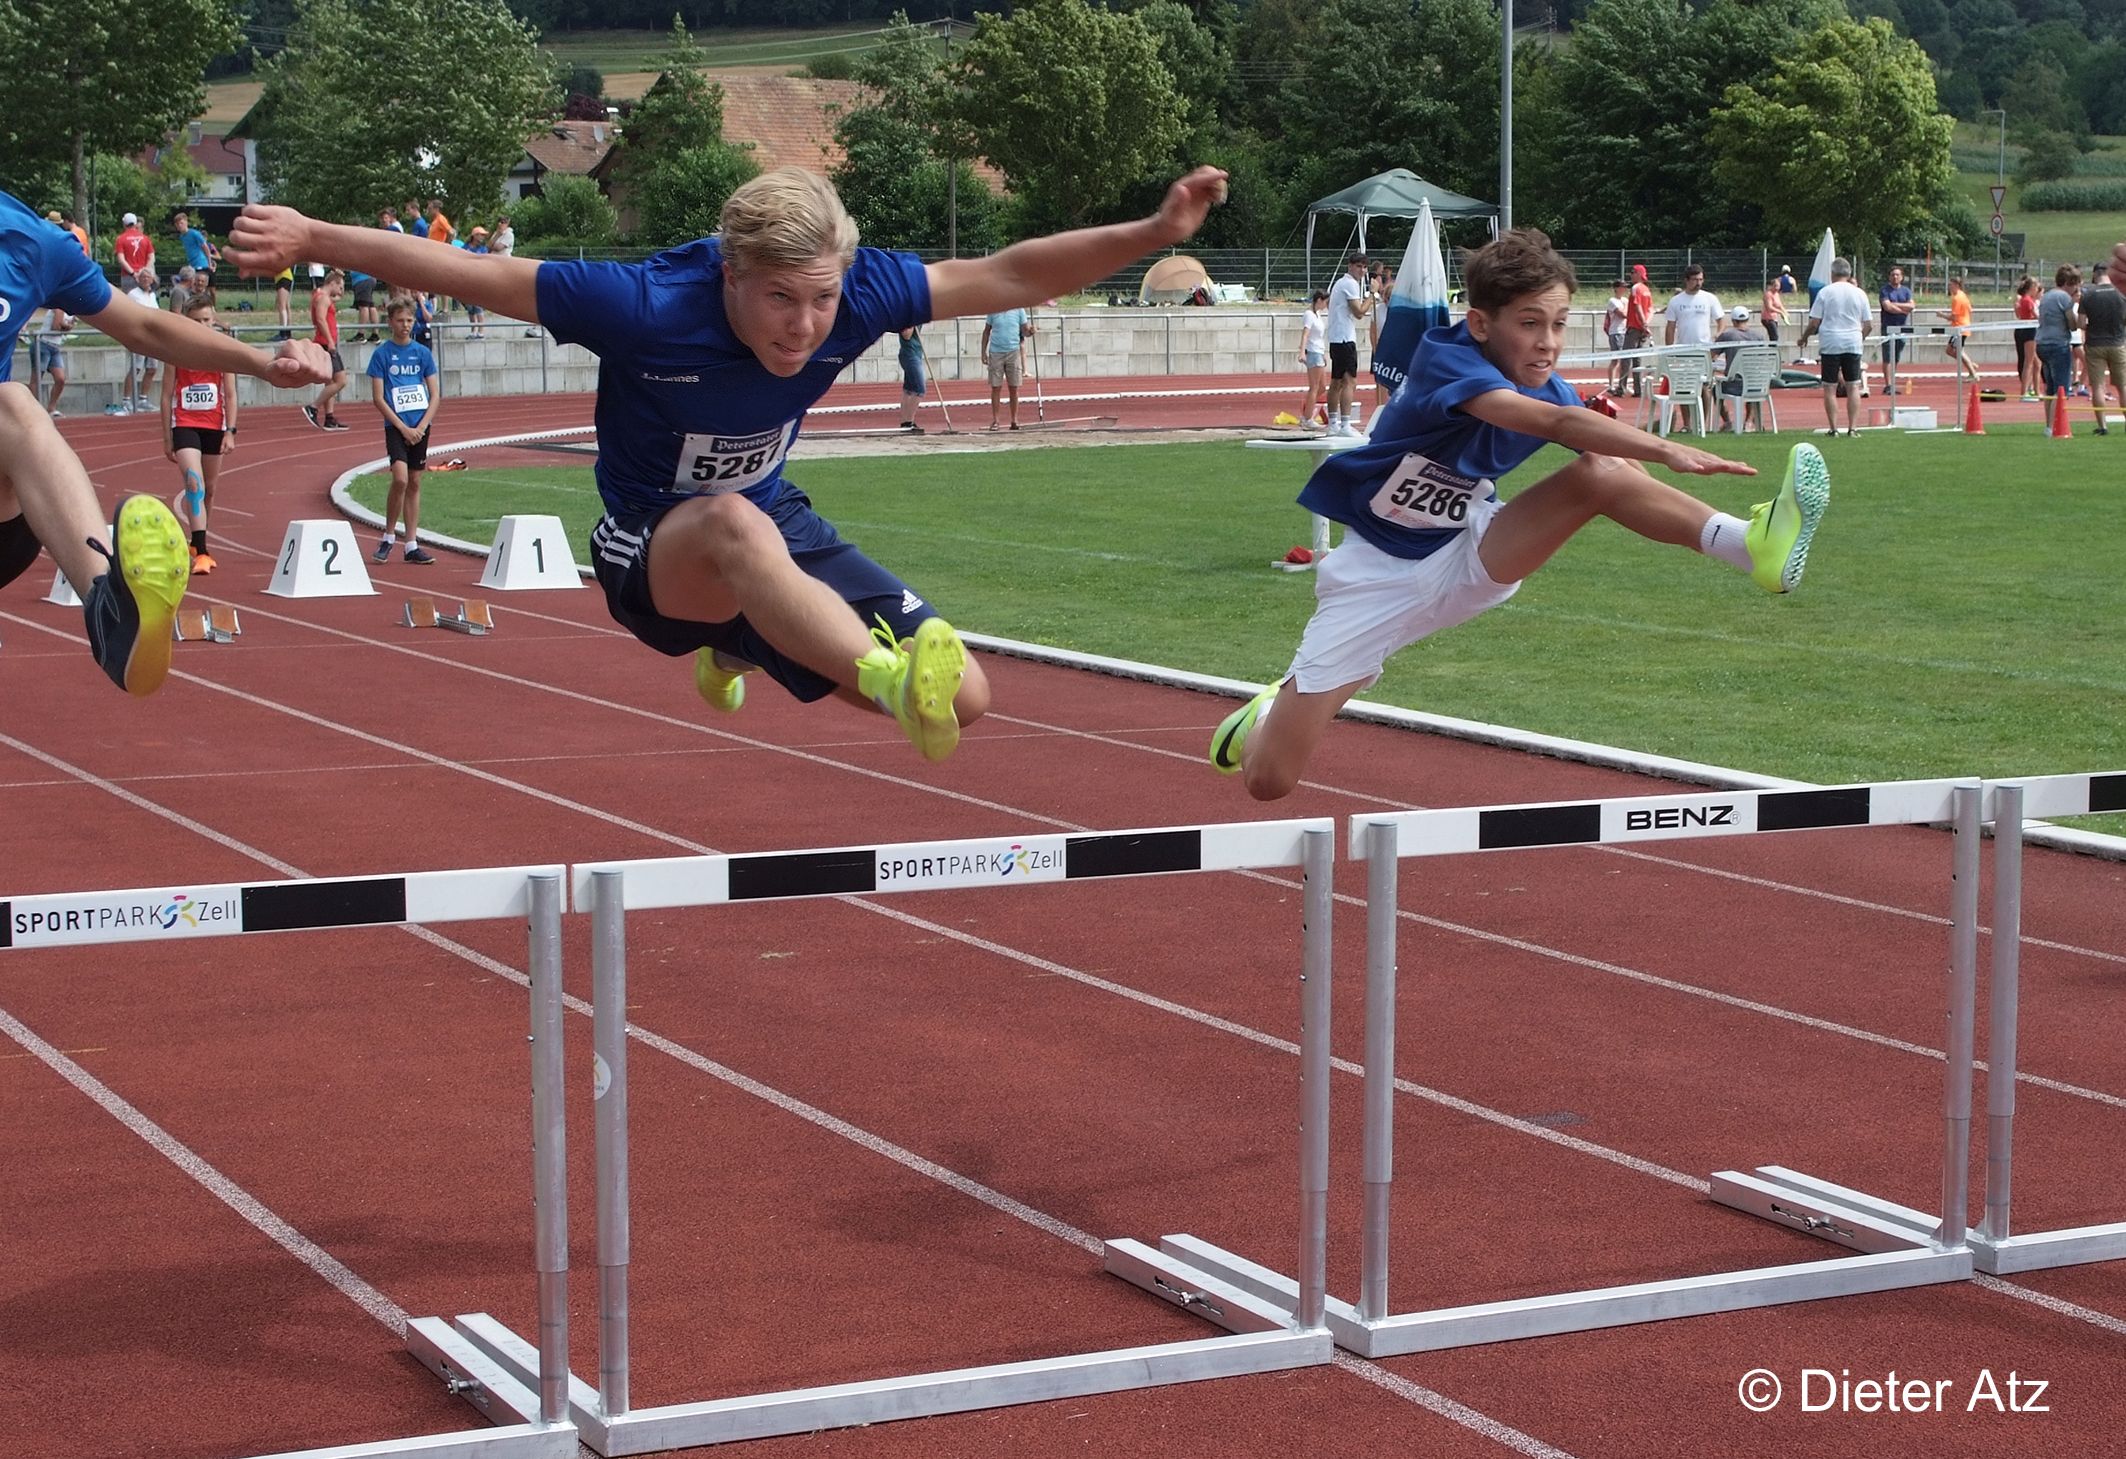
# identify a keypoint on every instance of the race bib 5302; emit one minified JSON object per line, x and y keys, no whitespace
{"x":204,"y":395}
{"x":711,"y":464}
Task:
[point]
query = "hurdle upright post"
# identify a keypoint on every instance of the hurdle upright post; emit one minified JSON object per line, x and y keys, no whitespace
{"x":1318,"y":871}
{"x":2005,"y":1008}
{"x":1382,"y":866}
{"x":549,"y":1146}
{"x":609,"y":1034}
{"x":1962,"y":1006}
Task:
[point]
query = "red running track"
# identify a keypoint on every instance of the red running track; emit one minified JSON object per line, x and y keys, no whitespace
{"x":877,"y":1138}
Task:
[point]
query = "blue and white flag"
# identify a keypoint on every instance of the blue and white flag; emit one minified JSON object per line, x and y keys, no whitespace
{"x":1820,"y":270}
{"x":1419,"y":303}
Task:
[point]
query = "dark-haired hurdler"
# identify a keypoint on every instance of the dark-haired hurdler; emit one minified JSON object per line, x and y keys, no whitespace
{"x":1427,"y":542}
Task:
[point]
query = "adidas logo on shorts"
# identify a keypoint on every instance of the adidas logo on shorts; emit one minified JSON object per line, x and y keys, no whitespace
{"x":909,"y":601}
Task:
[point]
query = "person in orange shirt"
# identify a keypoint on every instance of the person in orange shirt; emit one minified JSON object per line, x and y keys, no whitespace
{"x":440,"y":228}
{"x":198,"y":430}
{"x":1638,"y":323}
{"x":81,"y":234}
{"x":1959,"y":316}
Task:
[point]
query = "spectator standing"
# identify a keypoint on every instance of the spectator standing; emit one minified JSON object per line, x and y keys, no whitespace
{"x":200,"y":252}
{"x":440,"y":228}
{"x":183,"y":287}
{"x":283,"y":296}
{"x":325,"y":330}
{"x":363,"y":287}
{"x":140,"y":371}
{"x":1959,"y":316}
{"x":404,"y":387}
{"x":913,"y":383}
{"x":2057,"y":312}
{"x":1314,"y":358}
{"x":1349,"y":302}
{"x":504,"y":243}
{"x":81,"y":234}
{"x":415,"y":223}
{"x":1693,"y":314}
{"x":1004,"y":335}
{"x":1896,"y":301}
{"x":1786,"y":278}
{"x":474,"y":314}
{"x":133,"y":249}
{"x":198,"y":430}
{"x":48,"y":355}
{"x":1841,"y":313}
{"x":1773,"y":312}
{"x":388,"y":221}
{"x":2026,"y":294}
{"x":1638,"y":324}
{"x":2102,"y":309}
{"x":1613,"y":331}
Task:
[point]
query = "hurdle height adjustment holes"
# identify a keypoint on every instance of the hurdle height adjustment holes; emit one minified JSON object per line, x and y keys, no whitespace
{"x":1185,"y":1298}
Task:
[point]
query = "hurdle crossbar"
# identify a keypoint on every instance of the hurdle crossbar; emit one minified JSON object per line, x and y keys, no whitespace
{"x":1261,"y":1337}
{"x":1898,"y":1247}
{"x":531,"y":1416}
{"x":1994,"y":1246}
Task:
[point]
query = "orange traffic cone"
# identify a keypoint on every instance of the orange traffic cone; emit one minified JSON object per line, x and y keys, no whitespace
{"x":1974,"y":424}
{"x":2061,"y":431}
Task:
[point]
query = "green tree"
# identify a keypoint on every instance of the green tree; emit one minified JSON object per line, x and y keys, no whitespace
{"x":899,"y":192}
{"x":674,"y":168}
{"x":342,"y":134}
{"x":2047,"y":157}
{"x":1844,"y":131}
{"x":86,"y":76}
{"x":2038,"y":101}
{"x":1072,"y":104}
{"x":681,"y":196}
{"x":565,"y":210}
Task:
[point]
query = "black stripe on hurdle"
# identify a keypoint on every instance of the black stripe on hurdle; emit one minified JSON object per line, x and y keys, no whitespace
{"x":7,"y":924}
{"x":285,"y":908}
{"x":1133,"y":855}
{"x":1803,"y":810}
{"x":804,"y":874}
{"x":1538,"y":825}
{"x":2106,"y":793}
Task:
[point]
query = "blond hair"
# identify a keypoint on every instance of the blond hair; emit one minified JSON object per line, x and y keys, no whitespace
{"x":786,"y":218}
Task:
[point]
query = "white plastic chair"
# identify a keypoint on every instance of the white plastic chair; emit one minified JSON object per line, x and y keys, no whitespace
{"x":1756,"y":366}
{"x":1687,"y":368}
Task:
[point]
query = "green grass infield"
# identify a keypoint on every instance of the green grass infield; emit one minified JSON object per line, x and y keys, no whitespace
{"x":1960,"y":615}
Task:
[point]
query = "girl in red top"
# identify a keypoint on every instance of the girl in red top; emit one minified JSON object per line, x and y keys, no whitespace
{"x":198,"y":429}
{"x":2026,"y":294}
{"x":325,"y":329}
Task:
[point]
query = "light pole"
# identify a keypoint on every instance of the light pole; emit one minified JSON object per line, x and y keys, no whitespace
{"x":1505,"y":115}
{"x":2000,"y":179}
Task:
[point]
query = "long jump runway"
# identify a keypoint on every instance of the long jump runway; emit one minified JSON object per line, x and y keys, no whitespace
{"x":884,"y":1136}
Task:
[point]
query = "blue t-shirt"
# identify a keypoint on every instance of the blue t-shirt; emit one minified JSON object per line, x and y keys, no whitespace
{"x":1408,"y":490}
{"x":418,"y":227}
{"x":405,"y":370}
{"x":41,"y":265}
{"x":684,"y":407}
{"x":1899,"y":295}
{"x":195,"y":244}
{"x":1004,"y":328}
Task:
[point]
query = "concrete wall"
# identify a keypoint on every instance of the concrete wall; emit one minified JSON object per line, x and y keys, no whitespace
{"x":1071,"y":345}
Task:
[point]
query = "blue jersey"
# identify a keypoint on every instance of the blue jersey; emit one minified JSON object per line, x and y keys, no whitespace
{"x":405,"y":370}
{"x":195,"y":245}
{"x":40,"y":265}
{"x":1408,"y":490}
{"x":684,"y":407}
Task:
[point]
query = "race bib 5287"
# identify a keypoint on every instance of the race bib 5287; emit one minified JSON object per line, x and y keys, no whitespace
{"x":713,"y":464}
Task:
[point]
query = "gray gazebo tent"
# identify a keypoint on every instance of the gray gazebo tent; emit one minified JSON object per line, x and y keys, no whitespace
{"x":1394,"y":194}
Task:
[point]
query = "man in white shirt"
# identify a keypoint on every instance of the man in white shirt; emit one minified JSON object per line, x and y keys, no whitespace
{"x":1693,"y":315}
{"x":141,"y":375}
{"x":1349,"y":301}
{"x":1843,"y":316}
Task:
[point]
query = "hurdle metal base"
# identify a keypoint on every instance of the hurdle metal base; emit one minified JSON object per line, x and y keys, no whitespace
{"x":2039,"y":1251}
{"x":1268,"y":1342}
{"x":1823,"y":1208}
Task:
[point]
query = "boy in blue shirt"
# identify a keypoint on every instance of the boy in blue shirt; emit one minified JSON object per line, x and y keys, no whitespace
{"x":130,"y":587}
{"x":402,"y":383}
{"x":709,"y":356}
{"x":1430,"y":545}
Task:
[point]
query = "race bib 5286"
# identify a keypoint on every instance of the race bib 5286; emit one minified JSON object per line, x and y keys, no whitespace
{"x":1422,"y":493}
{"x":713,"y":464}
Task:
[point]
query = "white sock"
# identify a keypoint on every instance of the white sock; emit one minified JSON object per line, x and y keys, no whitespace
{"x":1726,"y":537}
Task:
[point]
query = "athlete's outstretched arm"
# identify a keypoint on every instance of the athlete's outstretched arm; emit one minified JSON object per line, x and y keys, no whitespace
{"x":267,"y":239}
{"x":1041,"y":268}
{"x":187,"y":342}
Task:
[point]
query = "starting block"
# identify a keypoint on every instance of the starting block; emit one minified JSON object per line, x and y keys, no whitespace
{"x":470,"y":616}
{"x":215,"y":624}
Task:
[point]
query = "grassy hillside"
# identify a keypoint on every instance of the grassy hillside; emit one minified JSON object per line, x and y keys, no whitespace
{"x":2056,"y":238}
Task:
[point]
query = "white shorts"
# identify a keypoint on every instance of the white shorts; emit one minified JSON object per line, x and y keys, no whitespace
{"x":1369,"y":604}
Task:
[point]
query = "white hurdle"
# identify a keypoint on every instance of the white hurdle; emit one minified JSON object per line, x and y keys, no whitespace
{"x":531,"y":1414}
{"x":1994,"y":1246}
{"x":1264,"y":1338}
{"x":1899,"y":1247}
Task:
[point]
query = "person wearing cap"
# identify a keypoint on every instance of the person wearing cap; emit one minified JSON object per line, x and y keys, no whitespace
{"x":1786,"y":278}
{"x":1349,"y":301}
{"x":1736,"y":333}
{"x":1638,"y":323}
{"x":134,"y":250}
{"x":475,"y":316}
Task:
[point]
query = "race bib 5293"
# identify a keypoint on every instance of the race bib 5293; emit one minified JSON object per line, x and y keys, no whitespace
{"x":1422,"y":493}
{"x":409,"y":399}
{"x":712,"y":464}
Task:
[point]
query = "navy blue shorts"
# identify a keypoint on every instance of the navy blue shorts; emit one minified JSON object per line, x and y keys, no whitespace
{"x":620,"y":555}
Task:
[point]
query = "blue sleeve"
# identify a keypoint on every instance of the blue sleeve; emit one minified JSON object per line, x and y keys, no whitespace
{"x":1455,"y":377}
{"x":375,"y":368}
{"x":428,"y":368}
{"x":71,"y":278}
{"x":885,"y":291}
{"x":592,"y":304}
